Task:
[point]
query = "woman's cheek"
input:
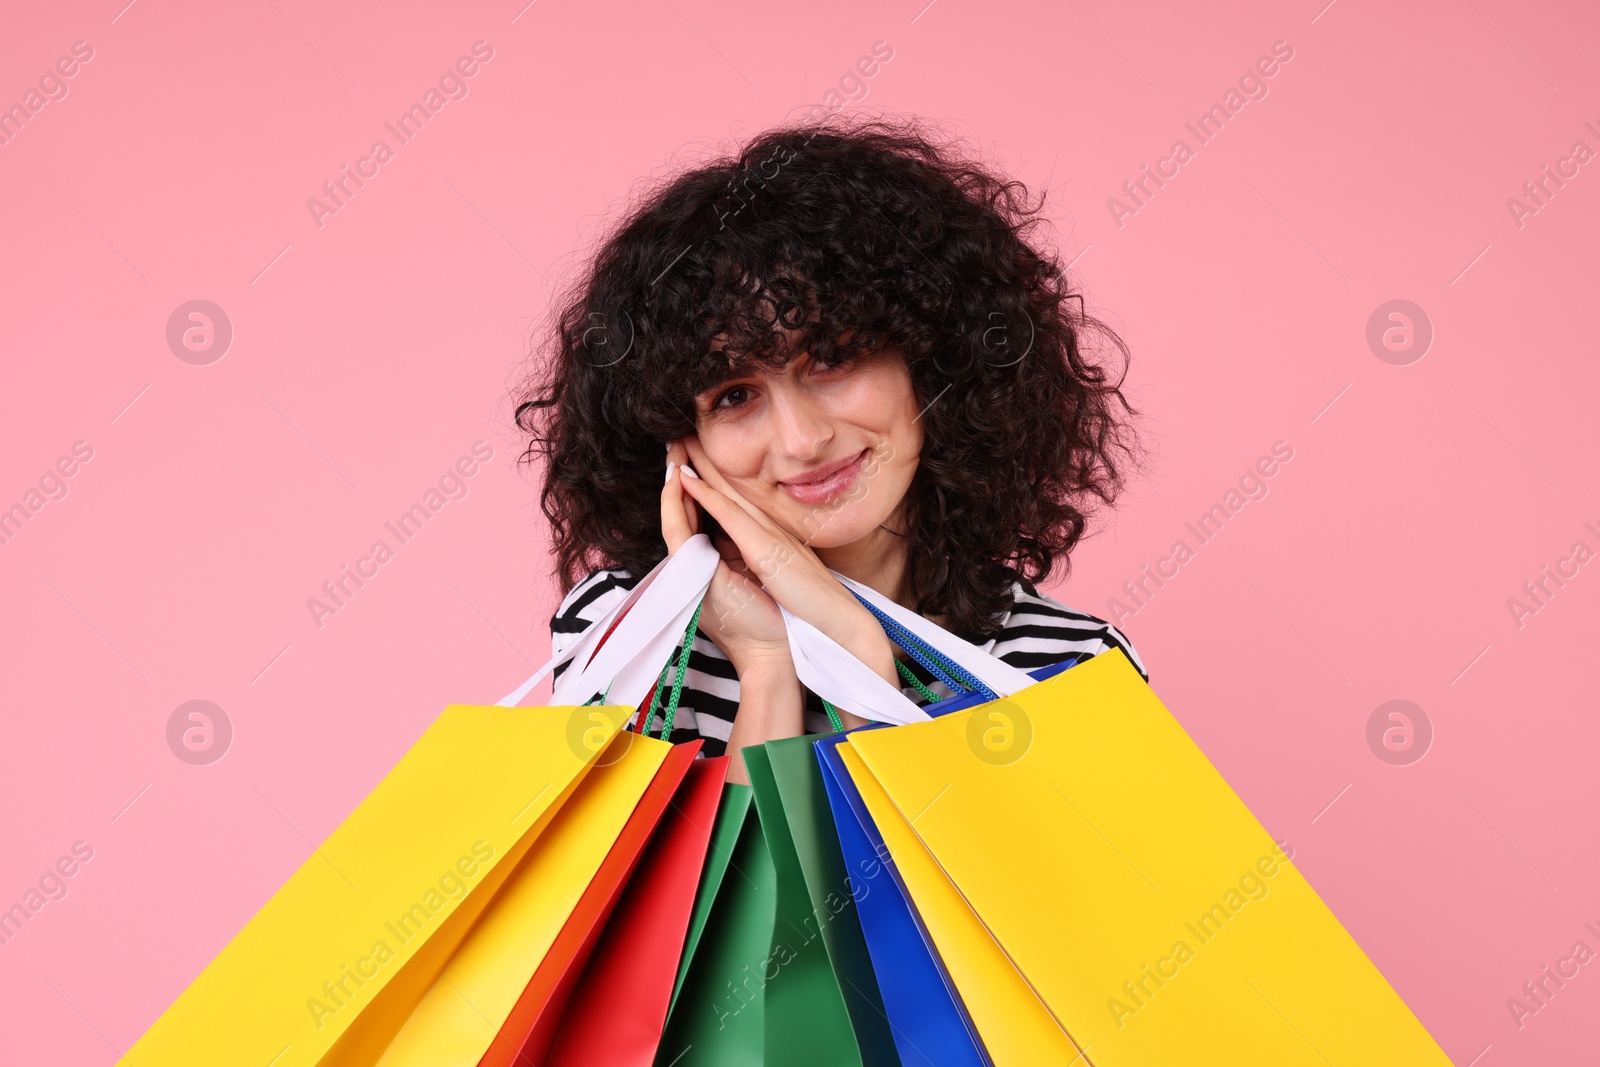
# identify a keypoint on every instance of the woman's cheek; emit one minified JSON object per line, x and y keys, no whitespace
{"x":735,"y":449}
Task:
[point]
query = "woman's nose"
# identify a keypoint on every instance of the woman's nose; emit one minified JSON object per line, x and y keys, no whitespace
{"x":801,"y":425}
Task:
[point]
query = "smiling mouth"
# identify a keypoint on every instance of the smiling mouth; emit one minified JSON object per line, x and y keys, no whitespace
{"x":826,"y":482}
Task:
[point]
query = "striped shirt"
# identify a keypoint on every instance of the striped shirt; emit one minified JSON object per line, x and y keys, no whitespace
{"x":1038,"y":631}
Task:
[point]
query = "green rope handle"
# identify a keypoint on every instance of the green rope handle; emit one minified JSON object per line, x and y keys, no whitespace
{"x":677,"y":686}
{"x":677,"y":682}
{"x":906,"y":672}
{"x":833,"y":717}
{"x":655,"y":699}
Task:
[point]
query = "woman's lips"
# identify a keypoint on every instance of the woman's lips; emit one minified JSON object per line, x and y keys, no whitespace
{"x":828,"y":481}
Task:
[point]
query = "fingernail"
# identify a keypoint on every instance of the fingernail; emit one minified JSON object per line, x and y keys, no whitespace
{"x":670,"y":465}
{"x":688,"y":472}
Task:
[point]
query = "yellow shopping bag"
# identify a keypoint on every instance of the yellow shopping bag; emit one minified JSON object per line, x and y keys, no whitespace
{"x":1017,"y":1029}
{"x":344,"y":951}
{"x":1129,"y":884}
{"x":347,"y":954}
{"x":462,"y":1012}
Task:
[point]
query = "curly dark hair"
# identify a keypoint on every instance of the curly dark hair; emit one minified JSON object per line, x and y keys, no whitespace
{"x":855,"y":234}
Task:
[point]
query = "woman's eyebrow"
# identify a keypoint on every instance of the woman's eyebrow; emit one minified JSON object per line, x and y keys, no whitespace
{"x":709,"y":393}
{"x":736,"y":370}
{"x":739,"y":367}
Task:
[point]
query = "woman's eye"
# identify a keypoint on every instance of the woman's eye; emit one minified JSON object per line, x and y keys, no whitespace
{"x":732,"y":398}
{"x":842,"y":363}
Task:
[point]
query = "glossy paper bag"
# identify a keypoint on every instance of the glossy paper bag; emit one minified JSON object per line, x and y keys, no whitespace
{"x":921,"y":979}
{"x":1015,"y":1026}
{"x":715,"y":1019}
{"x":944,"y":978}
{"x":636,"y":960}
{"x":823,"y":1003}
{"x":531,"y":1025}
{"x":341,"y":953}
{"x":1129,"y":884}
{"x":457,"y":1020}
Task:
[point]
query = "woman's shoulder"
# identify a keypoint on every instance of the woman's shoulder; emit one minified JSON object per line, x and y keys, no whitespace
{"x":1041,"y":630}
{"x":587,"y":602}
{"x":591,"y":599}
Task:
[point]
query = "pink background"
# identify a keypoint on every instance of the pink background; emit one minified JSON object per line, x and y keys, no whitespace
{"x":370,"y":353}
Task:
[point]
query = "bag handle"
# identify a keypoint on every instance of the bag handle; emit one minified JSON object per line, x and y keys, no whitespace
{"x":958,"y":680}
{"x":618,"y":654}
{"x":975,"y":669}
{"x":814,"y":659}
{"x":840,"y":679}
{"x":671,"y":712}
{"x":825,"y":668}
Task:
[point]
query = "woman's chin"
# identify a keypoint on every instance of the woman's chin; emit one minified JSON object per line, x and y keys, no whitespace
{"x":824,"y":527}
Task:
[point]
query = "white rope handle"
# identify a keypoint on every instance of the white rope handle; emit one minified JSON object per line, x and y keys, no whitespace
{"x":658,"y":609}
{"x":657,"y":612}
{"x":828,"y":670}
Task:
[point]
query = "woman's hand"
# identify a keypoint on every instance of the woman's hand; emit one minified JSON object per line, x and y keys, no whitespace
{"x":788,"y":570}
{"x":738,"y":616}
{"x":744,"y":623}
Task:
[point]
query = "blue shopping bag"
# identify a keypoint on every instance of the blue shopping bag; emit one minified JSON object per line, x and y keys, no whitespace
{"x":931,"y":1026}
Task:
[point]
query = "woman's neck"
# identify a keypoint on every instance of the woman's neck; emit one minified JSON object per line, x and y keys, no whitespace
{"x":877,"y":560}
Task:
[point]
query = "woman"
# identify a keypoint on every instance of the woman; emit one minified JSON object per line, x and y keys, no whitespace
{"x":843,"y":353}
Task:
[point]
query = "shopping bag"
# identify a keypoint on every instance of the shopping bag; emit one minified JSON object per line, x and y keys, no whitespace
{"x":925,"y":994}
{"x":913,"y":976}
{"x":503,"y":957}
{"x":342,"y":951}
{"x":500,"y":998}
{"x":824,"y":1004}
{"x":932,"y":1024}
{"x":759,"y":983}
{"x":715,"y":1014}
{"x":531,"y":1023}
{"x":635,"y":962}
{"x":332,"y":966}
{"x":1125,"y":881}
{"x":1015,"y":1028}
{"x":732,"y":809}
{"x":1130,"y":886}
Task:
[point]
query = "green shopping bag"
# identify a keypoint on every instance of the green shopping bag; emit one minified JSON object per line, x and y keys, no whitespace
{"x":715,"y":1016}
{"x":823,"y":1005}
{"x":758,"y":983}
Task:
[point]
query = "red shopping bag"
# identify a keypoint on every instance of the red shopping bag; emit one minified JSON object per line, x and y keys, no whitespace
{"x":525,"y":1037}
{"x":527,"y":1032}
{"x":617,"y":1014}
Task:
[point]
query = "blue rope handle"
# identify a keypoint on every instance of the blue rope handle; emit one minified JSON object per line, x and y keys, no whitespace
{"x":951,"y":674}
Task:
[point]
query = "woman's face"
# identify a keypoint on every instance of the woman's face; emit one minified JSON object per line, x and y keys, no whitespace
{"x":827,"y":452}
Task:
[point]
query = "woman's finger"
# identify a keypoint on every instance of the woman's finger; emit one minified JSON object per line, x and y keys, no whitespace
{"x":678,"y":455}
{"x":765,"y":551}
{"x":706,"y":467}
{"x":784,"y":567}
{"x":680,"y":518}
{"x":734,"y":560}
{"x":792,"y":575}
{"x":745,"y":532}
{"x":730,"y":553}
